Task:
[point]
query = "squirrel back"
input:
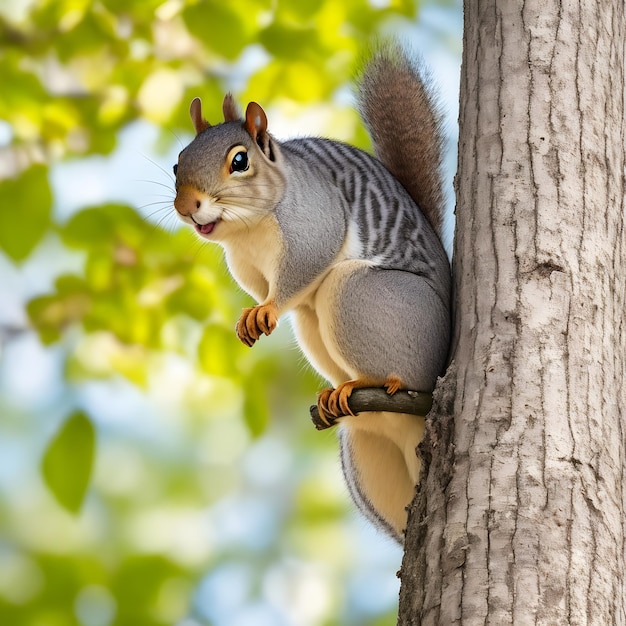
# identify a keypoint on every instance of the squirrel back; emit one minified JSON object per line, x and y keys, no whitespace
{"x":402,"y":117}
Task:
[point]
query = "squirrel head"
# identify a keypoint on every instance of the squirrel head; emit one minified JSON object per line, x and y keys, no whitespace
{"x":229,"y":176}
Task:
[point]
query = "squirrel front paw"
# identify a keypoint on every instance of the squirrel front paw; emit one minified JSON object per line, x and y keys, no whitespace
{"x":256,"y":321}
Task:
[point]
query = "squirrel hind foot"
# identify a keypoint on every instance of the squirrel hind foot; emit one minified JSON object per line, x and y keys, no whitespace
{"x":326,"y":417}
{"x":333,"y":403}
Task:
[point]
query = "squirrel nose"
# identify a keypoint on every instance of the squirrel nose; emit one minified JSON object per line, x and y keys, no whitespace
{"x":188,"y":201}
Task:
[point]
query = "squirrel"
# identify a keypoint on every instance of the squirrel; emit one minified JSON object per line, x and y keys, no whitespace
{"x":351,"y":245}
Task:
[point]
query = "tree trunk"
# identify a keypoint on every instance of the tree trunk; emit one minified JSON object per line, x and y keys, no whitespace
{"x":520,"y":516}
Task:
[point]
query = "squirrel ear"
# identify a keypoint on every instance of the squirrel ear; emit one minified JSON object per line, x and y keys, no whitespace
{"x":230,"y":109}
{"x":256,"y":120}
{"x":195,"y":110}
{"x":256,"y":125}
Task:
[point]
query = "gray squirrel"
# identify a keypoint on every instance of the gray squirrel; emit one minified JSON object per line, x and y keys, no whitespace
{"x":334,"y":235}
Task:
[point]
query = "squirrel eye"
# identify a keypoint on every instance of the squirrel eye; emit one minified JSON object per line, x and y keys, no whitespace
{"x":175,"y":168}
{"x":239,"y":162}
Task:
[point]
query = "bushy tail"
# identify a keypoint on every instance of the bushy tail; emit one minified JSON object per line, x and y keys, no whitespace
{"x":404,"y":123}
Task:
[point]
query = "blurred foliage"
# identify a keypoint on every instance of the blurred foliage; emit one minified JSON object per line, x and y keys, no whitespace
{"x":68,"y":461}
{"x":125,"y":538}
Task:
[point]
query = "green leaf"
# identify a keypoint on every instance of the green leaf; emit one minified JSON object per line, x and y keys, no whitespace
{"x":99,"y":226}
{"x":218,"y":25}
{"x":68,"y":461}
{"x":301,"y":10}
{"x":195,"y":297}
{"x":51,"y":314}
{"x":290,"y":42}
{"x":255,"y":408}
{"x":25,"y":208}
{"x":256,"y":405}
{"x":218,"y":349}
{"x":87,"y":228}
{"x":138,"y":584}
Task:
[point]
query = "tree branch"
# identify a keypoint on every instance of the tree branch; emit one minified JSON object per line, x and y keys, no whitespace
{"x":377,"y":399}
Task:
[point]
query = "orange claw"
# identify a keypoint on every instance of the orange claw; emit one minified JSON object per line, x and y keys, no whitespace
{"x":392,"y":384}
{"x":333,"y":403}
{"x":322,"y":406}
{"x":256,"y":321}
{"x":338,"y":399}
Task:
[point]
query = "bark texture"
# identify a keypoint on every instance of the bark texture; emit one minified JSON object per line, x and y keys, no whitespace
{"x":520,"y":517}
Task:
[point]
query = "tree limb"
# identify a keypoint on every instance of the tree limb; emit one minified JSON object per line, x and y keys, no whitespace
{"x":377,"y":399}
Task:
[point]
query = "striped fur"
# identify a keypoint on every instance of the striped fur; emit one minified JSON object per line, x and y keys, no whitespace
{"x":393,"y":232}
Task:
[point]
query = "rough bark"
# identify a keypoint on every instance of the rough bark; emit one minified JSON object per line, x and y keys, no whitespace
{"x":520,"y":516}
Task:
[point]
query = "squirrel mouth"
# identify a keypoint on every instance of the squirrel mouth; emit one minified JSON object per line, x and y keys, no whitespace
{"x":205,"y":229}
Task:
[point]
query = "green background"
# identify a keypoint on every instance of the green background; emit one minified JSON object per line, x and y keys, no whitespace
{"x":153,"y":470}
